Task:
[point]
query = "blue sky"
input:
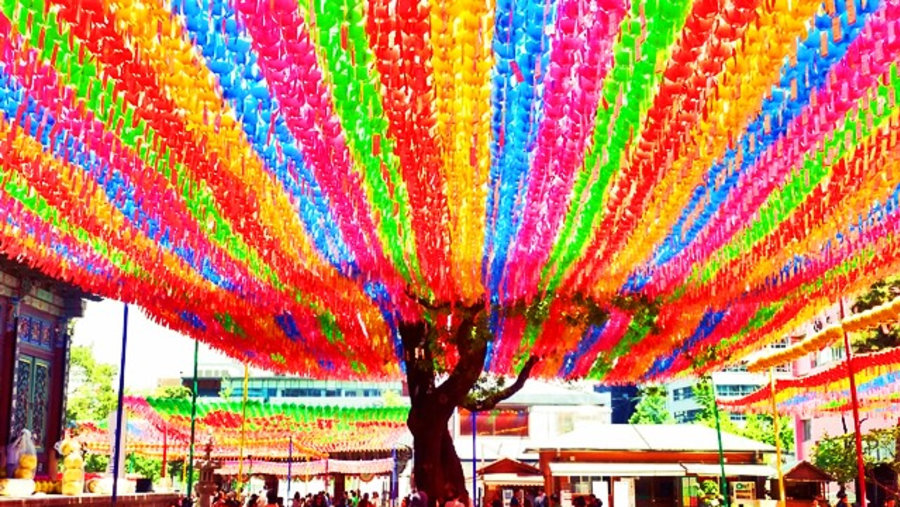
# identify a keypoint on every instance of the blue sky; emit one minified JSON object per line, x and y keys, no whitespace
{"x":154,"y":351}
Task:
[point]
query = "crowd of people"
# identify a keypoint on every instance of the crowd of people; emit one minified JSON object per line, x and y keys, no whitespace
{"x":266,"y":498}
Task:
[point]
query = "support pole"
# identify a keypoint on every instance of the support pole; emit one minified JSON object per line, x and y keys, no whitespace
{"x":290,"y":462}
{"x":190,"y":472}
{"x":394,"y":479}
{"x":851,"y":376}
{"x":474,"y":468}
{"x":243,"y":426}
{"x":162,"y":472}
{"x":120,"y":409}
{"x":725,"y":495}
{"x":775,"y":426}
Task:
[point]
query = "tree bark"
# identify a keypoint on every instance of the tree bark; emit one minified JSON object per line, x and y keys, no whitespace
{"x":437,"y":469}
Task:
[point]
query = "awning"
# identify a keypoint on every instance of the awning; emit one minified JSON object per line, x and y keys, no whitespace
{"x":617,"y":469}
{"x":513,"y":479}
{"x":570,"y":469}
{"x":730,"y":470}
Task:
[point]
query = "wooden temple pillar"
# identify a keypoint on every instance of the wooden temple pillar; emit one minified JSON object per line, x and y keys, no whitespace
{"x":340,"y":484}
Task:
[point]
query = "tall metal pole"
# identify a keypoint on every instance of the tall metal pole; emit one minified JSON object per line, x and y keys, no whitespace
{"x":290,"y":462}
{"x":394,"y":479}
{"x":851,"y":376}
{"x":724,"y":491}
{"x":119,"y":408}
{"x":474,"y":468}
{"x":775,"y":425}
{"x":243,"y":425}
{"x":190,"y":477}
{"x":162,"y":471}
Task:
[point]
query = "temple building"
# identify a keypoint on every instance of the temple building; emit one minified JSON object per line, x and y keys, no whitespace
{"x":35,"y":312}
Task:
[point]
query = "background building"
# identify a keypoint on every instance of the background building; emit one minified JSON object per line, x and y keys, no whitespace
{"x":226,"y":380}
{"x":622,"y":400}
{"x":538,"y":412}
{"x":732,"y":382}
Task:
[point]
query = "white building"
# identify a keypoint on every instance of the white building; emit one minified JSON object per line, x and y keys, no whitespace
{"x":539,"y":412}
{"x":732,"y":382}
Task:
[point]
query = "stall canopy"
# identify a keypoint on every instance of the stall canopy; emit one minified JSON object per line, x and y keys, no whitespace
{"x":289,"y":181}
{"x":804,"y":471}
{"x":629,"y":469}
{"x":510,"y":472}
{"x":273,"y":431}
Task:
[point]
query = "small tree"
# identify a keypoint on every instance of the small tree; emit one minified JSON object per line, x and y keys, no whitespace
{"x":703,"y":392}
{"x":651,"y":409}
{"x":837,"y":455}
{"x":226,"y":391}
{"x":150,"y":468}
{"x":172,"y":393}
{"x":884,"y":336}
{"x":91,"y":397}
{"x":760,"y":427}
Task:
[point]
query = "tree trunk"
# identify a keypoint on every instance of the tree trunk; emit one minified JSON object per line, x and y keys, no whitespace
{"x":437,"y":469}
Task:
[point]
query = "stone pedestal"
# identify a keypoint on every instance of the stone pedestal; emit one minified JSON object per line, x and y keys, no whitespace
{"x":206,"y":485}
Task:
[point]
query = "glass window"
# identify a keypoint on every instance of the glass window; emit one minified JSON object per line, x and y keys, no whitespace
{"x":581,"y":485}
{"x":683,"y":416}
{"x":806,"y":430}
{"x":683,"y":393}
{"x":735,"y":390}
{"x":507,"y":422}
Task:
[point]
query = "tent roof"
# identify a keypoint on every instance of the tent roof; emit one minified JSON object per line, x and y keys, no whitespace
{"x":650,"y":437}
{"x":546,"y":393}
{"x":508,"y":466}
{"x":806,"y":471}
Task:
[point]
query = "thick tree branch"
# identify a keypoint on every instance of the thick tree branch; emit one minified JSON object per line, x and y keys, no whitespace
{"x":446,"y":306}
{"x":418,"y":358}
{"x":471,"y":343}
{"x":492,"y":400}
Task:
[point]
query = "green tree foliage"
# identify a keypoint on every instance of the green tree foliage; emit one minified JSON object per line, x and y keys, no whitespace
{"x":884,"y":336}
{"x":226,"y":392}
{"x":95,"y":463}
{"x":91,"y":395}
{"x":651,"y":409}
{"x":172,"y":393}
{"x":703,"y":393}
{"x":837,"y":455}
{"x":148,"y":468}
{"x":757,"y":427}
